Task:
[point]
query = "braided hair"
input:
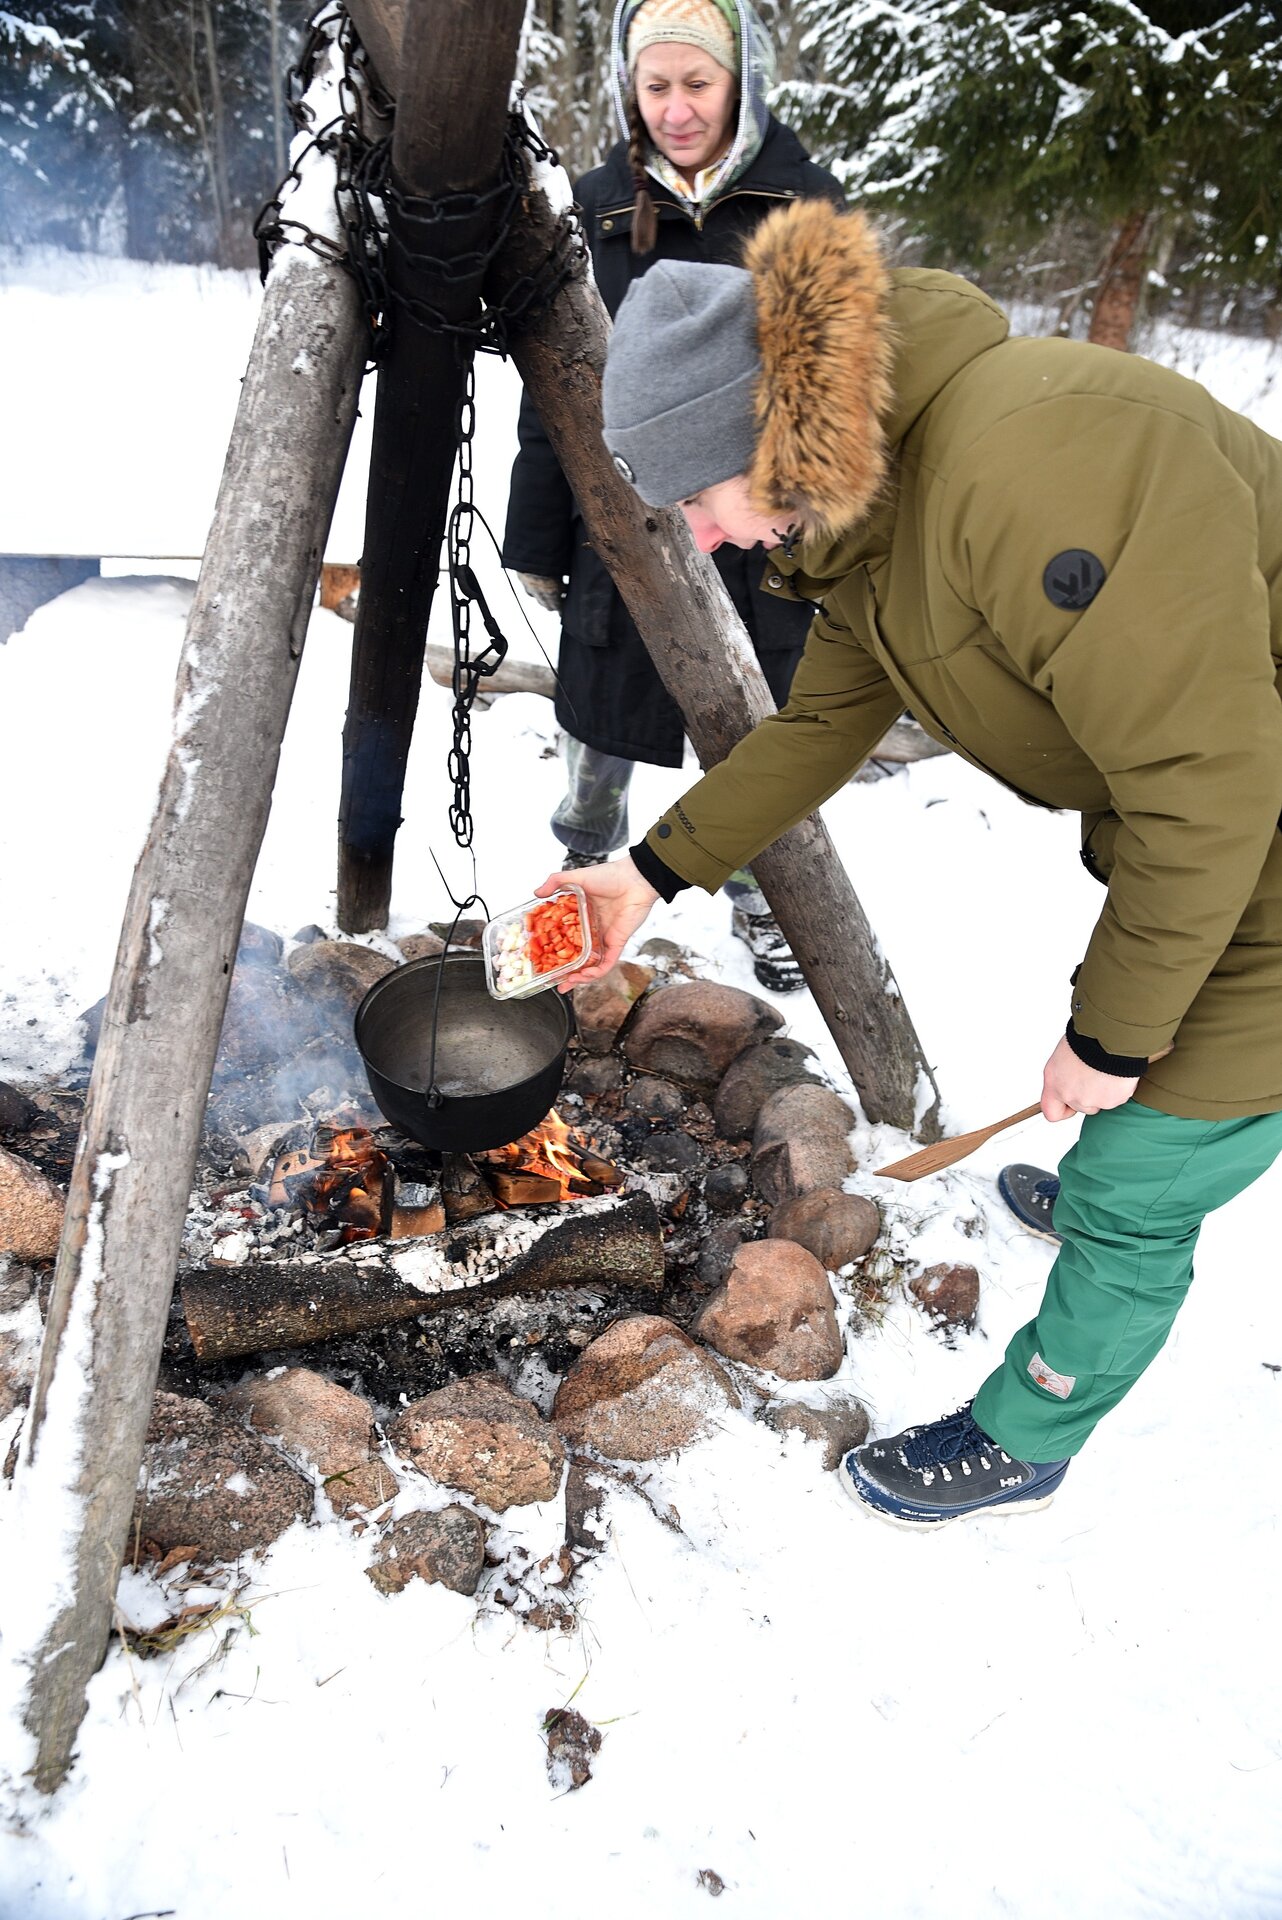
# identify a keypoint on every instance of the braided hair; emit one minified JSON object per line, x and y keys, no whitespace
{"x":645,"y":220}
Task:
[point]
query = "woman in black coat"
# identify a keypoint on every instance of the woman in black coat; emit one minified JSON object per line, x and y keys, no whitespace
{"x":703,"y":162}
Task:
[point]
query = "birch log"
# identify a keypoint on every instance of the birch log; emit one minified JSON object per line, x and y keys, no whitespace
{"x":133,"y":1172}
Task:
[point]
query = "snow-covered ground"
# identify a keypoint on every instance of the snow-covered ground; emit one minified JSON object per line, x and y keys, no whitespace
{"x":1074,"y":1712}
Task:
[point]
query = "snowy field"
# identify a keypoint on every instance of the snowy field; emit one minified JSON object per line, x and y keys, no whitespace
{"x":1077,"y":1712}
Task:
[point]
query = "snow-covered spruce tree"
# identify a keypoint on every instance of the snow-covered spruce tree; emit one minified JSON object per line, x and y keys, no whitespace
{"x":984,"y":124}
{"x":565,"y":67}
{"x":57,"y":96}
{"x":132,"y":122}
{"x":204,"y":125}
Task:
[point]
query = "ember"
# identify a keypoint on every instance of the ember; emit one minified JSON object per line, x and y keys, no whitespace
{"x":343,"y":1180}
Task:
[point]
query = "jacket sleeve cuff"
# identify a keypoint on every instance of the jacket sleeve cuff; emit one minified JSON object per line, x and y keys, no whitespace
{"x":661,"y":877}
{"x":1126,"y":1066}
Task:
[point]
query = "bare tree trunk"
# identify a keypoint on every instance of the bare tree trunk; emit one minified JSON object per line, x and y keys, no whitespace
{"x":277,"y":88}
{"x":1120,"y":294}
{"x":132,"y":1179}
{"x":217,"y":126}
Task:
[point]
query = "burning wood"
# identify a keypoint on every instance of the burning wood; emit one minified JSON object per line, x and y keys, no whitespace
{"x":547,"y":1165}
{"x":409,"y":1223}
{"x":463,"y":1189}
{"x":343,"y":1182}
{"x":345,"y":1187}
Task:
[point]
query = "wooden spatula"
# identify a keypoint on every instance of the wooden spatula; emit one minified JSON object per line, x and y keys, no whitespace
{"x":945,"y":1152}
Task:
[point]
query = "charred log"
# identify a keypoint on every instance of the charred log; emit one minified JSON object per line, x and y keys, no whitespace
{"x":608,"y":1244}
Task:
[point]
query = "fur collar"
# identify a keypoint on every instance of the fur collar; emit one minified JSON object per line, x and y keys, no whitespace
{"x":827,"y":347}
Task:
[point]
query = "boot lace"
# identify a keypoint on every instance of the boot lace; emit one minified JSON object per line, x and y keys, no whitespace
{"x":948,"y":1439}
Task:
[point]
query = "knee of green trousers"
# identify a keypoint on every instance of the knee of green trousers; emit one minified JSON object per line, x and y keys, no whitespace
{"x":1134,"y":1192}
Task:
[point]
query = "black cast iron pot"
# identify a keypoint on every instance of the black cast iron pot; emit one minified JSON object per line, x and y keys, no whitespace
{"x":499,"y":1063}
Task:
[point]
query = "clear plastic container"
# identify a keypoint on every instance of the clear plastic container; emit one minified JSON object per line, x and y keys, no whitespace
{"x":531,"y":947}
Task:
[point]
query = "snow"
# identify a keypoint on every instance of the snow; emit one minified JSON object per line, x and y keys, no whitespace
{"x":1071,"y":1712}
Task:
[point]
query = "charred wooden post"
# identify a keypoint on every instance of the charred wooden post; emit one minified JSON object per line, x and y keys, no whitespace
{"x":457,"y":62}
{"x":703,"y":656}
{"x":132,"y":1178}
{"x":615,"y":1244}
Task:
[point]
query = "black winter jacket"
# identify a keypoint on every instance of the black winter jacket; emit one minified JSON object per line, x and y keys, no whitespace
{"x":610,"y":696}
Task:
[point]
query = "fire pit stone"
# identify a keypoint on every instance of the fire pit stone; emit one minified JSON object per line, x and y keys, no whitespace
{"x":838,"y":1425}
{"x":211,"y":1484}
{"x":31,"y":1210}
{"x":758,"y":1073}
{"x":774,"y":1309}
{"x":801,"y":1142}
{"x":692,"y":1032}
{"x":320,"y":1426}
{"x":479,"y":1436}
{"x":602,"y":1007}
{"x":338,"y":972}
{"x":836,"y":1227}
{"x":643,"y":1389}
{"x":447,"y":1547}
{"x":421,"y":946}
{"x":659,"y":1099}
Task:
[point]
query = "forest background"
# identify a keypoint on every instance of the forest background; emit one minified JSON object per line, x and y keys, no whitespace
{"x":1107,"y":163}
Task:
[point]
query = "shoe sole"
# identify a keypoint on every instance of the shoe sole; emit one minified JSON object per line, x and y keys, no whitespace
{"x":1001,"y":1509}
{"x":1039,"y":1233}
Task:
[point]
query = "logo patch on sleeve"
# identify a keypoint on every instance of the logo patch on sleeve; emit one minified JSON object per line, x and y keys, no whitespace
{"x":1073,"y":578}
{"x":1060,"y":1384}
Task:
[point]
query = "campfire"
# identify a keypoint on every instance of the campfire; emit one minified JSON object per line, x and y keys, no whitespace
{"x":352,"y":1227}
{"x":347,"y":1185}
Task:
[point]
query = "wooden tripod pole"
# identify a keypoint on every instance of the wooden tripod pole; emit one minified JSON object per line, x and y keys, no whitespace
{"x":459,"y":60}
{"x":132,"y":1179}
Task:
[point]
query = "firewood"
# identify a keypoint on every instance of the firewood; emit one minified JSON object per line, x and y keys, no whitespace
{"x":464,"y":1189}
{"x":417,"y":1222}
{"x":603,"y":1172}
{"x":514,"y":676}
{"x":611,"y":1243}
{"x":517,"y":1187}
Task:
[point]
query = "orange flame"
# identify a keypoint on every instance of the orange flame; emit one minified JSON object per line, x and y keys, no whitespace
{"x":549,"y":1149}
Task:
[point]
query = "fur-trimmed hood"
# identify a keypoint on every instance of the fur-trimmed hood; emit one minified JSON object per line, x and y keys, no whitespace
{"x":851,"y":353}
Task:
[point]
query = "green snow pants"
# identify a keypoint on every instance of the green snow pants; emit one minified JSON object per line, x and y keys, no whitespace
{"x":1133,"y":1195}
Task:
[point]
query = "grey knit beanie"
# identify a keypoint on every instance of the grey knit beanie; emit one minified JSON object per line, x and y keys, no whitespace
{"x":680,"y":376}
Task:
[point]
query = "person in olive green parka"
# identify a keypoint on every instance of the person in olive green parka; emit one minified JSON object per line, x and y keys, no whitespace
{"x":1067,"y":564}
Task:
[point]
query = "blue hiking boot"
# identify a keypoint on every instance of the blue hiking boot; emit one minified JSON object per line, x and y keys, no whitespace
{"x":1031,"y":1193}
{"x":944,"y":1471}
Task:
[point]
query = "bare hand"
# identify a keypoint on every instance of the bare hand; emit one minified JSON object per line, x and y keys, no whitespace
{"x":620,"y":900}
{"x":1069,"y":1086}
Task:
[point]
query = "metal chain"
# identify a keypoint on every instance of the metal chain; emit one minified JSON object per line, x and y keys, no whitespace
{"x":465,"y":592}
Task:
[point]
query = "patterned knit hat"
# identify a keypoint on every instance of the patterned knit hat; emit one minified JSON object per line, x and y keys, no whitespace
{"x":696,"y":23}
